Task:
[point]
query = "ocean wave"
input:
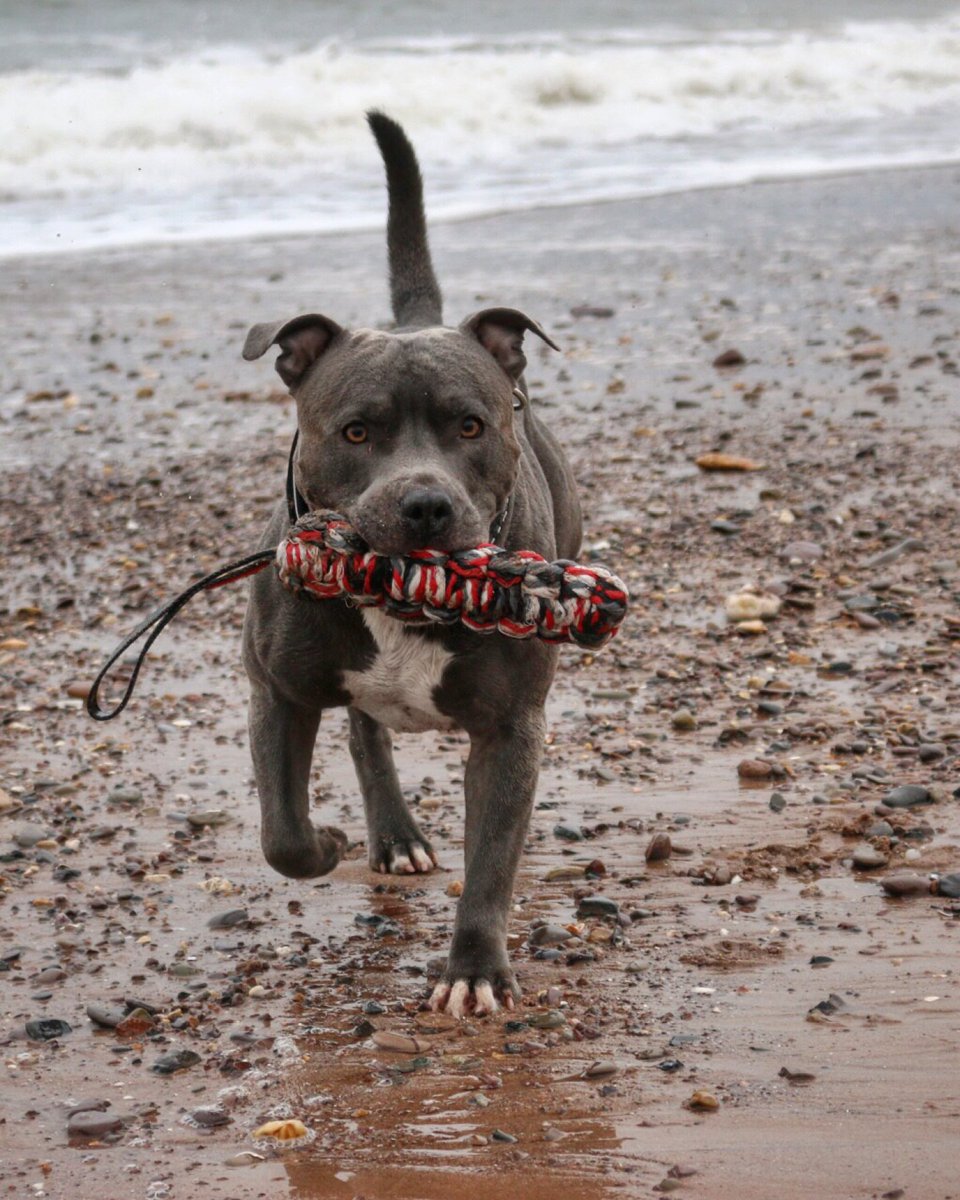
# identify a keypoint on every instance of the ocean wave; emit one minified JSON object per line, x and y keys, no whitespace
{"x":497,"y":121}
{"x":206,"y":116}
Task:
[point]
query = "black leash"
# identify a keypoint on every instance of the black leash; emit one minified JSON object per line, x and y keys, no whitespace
{"x":159,"y":619}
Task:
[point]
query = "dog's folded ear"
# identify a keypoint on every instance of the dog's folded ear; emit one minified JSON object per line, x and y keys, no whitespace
{"x":301,"y":342}
{"x":500,"y":331}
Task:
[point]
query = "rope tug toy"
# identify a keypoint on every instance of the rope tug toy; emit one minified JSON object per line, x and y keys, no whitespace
{"x":486,"y":588}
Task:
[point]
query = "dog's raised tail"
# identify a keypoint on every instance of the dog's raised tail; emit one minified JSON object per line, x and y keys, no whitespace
{"x":414,"y":291}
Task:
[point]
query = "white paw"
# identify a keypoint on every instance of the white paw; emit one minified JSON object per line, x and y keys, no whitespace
{"x":461,"y":999}
{"x":408,"y":858}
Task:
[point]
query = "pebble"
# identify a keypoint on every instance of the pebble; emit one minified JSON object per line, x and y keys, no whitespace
{"x":50,"y":975}
{"x":101,"y":1014}
{"x":879,"y":829}
{"x":703,"y":1102}
{"x":207,"y":818}
{"x":550,"y":935}
{"x":931,"y":751}
{"x":401,"y":1043}
{"x":798,"y":1078}
{"x":45,"y":1029}
{"x":92,"y":1123}
{"x":27,"y":835}
{"x":551,"y":1019}
{"x":865,"y":620}
{"x":600,"y":1069}
{"x":718,"y":461}
{"x":125,"y":795}
{"x":230,"y":919}
{"x":659,"y":848}
{"x":868,"y":858}
{"x":498,"y":1135}
{"x":177,"y":1060}
{"x":949,"y":886}
{"x":802,"y":552}
{"x":246,"y":1158}
{"x":569,"y":872}
{"x":905,"y":883}
{"x":893,"y":553}
{"x":778,"y":802}
{"x":136,"y":1023}
{"x":210,"y":1116}
{"x":748,"y":606}
{"x":908,"y":795}
{"x":754,"y":768}
{"x":567,"y":833}
{"x":597,"y":906}
{"x":683,"y":720}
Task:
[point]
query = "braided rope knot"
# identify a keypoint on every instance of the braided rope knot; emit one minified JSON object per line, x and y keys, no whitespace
{"x":486,"y":588}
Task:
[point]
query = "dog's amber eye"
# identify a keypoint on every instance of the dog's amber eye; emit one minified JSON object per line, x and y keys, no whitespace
{"x":355,"y":433}
{"x":471,"y":427}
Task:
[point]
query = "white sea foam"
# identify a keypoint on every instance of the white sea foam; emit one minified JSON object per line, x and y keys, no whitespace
{"x":234,"y":140}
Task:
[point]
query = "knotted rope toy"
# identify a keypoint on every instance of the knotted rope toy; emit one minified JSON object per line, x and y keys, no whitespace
{"x":485,"y":588}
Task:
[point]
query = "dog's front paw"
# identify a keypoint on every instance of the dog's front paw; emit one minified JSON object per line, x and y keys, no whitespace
{"x":475,"y":984}
{"x":474,"y":997}
{"x":305,"y":857}
{"x":402,"y":855}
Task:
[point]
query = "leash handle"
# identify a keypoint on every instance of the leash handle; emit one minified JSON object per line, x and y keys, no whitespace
{"x":159,"y":619}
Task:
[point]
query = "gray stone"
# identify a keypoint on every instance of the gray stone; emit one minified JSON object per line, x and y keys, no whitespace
{"x":879,"y":829}
{"x":908,"y":795}
{"x":93,"y":1124}
{"x":868,"y":858}
{"x":125,"y":795}
{"x":550,"y":935}
{"x":45,"y":1029}
{"x":804,"y":552}
{"x":597,"y":906}
{"x":210,"y":1117}
{"x":906,"y":883}
{"x":177,"y":1060}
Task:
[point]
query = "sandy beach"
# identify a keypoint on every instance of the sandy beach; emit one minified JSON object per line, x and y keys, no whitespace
{"x":138,"y":450}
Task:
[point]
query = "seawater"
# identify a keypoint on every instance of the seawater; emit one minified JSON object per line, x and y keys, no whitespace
{"x":126,"y":122}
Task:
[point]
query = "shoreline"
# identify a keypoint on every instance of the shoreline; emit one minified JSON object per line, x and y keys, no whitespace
{"x":376,"y":226}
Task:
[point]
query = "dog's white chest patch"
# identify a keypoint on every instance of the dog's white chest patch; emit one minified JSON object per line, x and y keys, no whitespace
{"x":397,"y":688}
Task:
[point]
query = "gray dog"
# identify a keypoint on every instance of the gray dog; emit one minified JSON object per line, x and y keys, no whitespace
{"x":421,"y":437}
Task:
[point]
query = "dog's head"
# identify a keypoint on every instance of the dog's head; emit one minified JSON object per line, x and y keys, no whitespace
{"x":409,"y":435}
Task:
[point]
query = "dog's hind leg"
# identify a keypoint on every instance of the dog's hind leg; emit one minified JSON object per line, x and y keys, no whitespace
{"x":282,"y":737}
{"x":394,"y":842}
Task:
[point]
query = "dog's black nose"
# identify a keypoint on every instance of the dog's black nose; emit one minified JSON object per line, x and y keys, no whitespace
{"x":427,"y":513}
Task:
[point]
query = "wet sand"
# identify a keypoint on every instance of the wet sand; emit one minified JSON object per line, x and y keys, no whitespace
{"x":137,"y":449}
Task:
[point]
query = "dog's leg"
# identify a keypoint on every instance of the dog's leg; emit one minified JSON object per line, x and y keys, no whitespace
{"x":395,"y":843}
{"x":500,"y":781}
{"x":282,"y":737}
